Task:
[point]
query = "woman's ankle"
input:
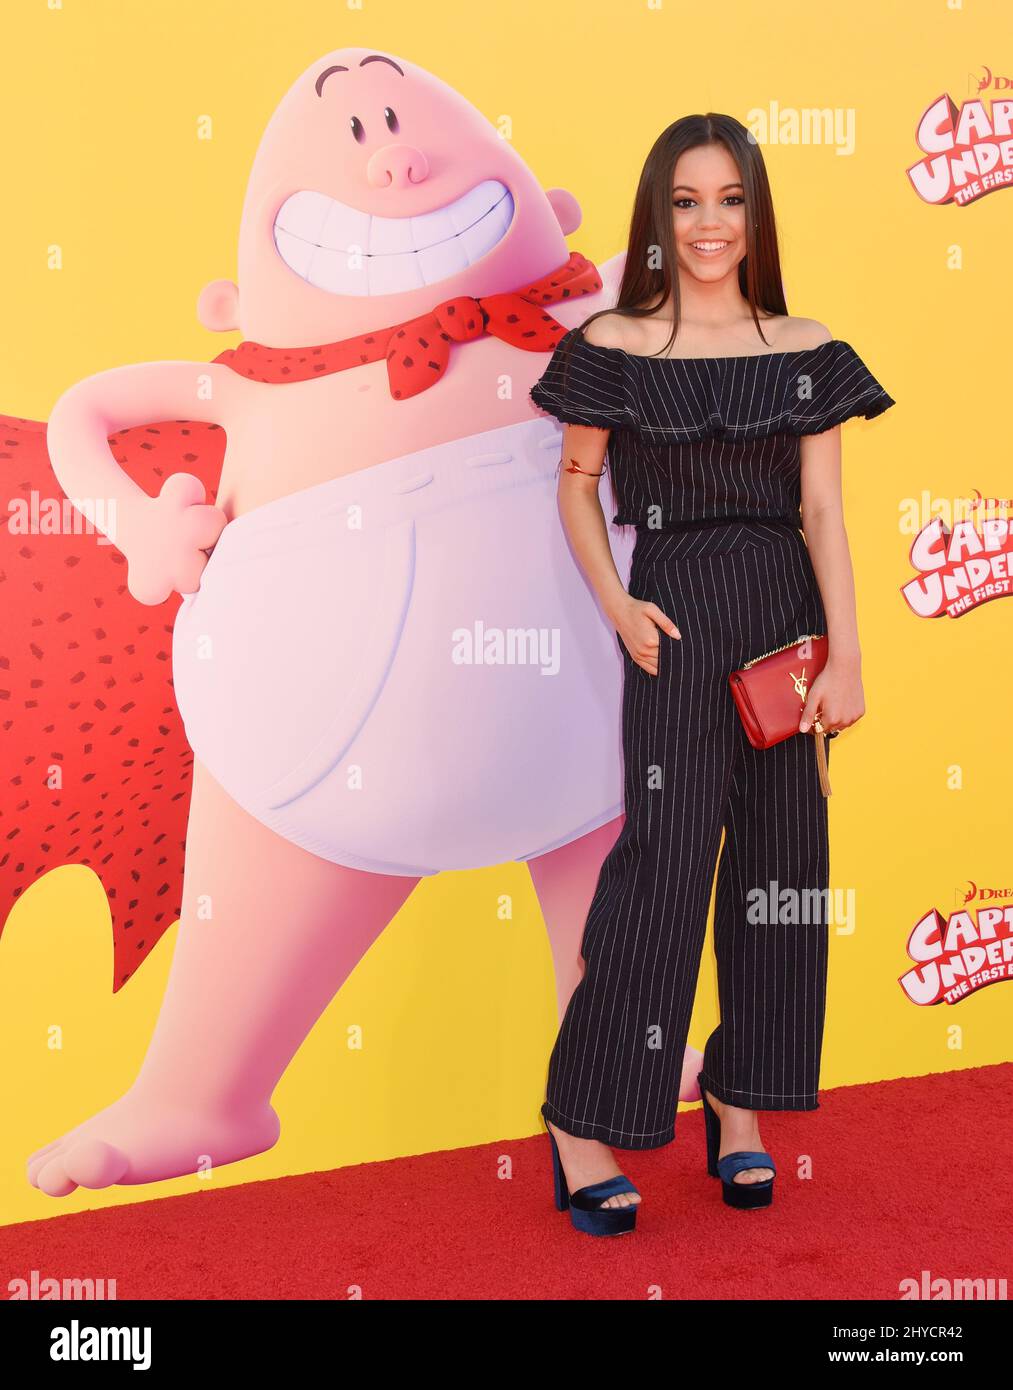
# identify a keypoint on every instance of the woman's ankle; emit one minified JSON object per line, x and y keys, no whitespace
{"x":573,"y":1140}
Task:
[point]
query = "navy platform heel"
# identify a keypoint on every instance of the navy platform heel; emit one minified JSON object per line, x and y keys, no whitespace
{"x":586,"y":1211}
{"x":746,"y":1196}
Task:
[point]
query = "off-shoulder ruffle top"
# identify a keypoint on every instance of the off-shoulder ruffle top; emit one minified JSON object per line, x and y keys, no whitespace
{"x":697,"y":438}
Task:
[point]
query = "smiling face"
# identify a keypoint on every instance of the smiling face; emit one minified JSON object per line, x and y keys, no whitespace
{"x":340,"y":249}
{"x":377,"y":192}
{"x":709,"y":214}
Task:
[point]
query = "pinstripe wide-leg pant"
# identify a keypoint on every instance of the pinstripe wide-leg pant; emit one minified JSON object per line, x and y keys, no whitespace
{"x":734,"y":591}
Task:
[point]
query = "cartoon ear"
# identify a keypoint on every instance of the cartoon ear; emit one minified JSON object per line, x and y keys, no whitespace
{"x":566,"y":208}
{"x":218,"y":306}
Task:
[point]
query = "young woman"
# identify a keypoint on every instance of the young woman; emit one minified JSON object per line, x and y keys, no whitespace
{"x":718,"y":413}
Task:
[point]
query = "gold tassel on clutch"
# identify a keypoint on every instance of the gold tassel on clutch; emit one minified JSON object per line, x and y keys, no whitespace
{"x":821,"y":756}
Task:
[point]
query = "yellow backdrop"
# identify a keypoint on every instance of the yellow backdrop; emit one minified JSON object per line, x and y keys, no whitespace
{"x":457,"y":1006}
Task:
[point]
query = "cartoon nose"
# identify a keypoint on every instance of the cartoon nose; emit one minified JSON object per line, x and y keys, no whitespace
{"x":397,"y":166}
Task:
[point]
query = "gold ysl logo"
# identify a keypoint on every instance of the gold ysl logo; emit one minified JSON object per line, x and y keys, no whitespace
{"x":802,"y":689}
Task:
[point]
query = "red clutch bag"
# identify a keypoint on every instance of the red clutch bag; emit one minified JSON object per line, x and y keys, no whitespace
{"x":771,"y":690}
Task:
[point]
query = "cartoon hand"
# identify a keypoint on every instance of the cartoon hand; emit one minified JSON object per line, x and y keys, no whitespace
{"x":167,"y":544}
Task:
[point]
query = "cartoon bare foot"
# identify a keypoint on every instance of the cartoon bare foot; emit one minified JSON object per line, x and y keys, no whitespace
{"x":141,"y":1139}
{"x":244,"y":990}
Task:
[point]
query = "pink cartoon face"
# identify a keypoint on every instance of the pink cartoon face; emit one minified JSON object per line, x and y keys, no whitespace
{"x":376,"y":192}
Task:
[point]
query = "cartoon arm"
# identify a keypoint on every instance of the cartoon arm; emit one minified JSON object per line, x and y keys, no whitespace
{"x":163,"y":538}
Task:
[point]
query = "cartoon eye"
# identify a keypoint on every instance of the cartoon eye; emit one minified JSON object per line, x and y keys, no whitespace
{"x":391,"y":120}
{"x":358,"y":129}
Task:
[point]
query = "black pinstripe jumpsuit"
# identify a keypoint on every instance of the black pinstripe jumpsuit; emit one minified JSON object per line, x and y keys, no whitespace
{"x":704,"y":457}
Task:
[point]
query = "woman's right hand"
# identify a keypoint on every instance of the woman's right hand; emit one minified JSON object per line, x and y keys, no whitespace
{"x":638,"y":623}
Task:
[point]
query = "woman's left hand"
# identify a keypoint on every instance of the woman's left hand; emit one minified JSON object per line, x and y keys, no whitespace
{"x":838,"y":696}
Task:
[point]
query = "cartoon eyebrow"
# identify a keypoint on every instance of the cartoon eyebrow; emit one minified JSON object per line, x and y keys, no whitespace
{"x":372,"y":58}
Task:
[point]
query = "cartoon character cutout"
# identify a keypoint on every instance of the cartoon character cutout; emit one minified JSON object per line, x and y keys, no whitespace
{"x":338,"y":550}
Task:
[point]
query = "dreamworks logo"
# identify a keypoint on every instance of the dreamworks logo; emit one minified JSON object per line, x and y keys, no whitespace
{"x":770,"y":904}
{"x":511,"y":646}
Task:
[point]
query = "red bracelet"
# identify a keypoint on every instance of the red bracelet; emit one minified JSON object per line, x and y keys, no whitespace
{"x":574,"y":467}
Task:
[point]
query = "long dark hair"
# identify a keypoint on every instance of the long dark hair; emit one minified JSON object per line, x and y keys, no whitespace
{"x":646,"y":286}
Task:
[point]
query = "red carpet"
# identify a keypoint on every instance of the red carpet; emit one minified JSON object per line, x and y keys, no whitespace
{"x":906,"y":1176}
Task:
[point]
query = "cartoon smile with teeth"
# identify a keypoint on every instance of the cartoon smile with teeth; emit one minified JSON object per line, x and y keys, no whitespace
{"x":358,"y":650}
{"x":345,"y":251}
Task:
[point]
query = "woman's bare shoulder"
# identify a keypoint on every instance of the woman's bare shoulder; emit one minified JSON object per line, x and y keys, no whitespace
{"x":795,"y":334}
{"x":609,"y":331}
